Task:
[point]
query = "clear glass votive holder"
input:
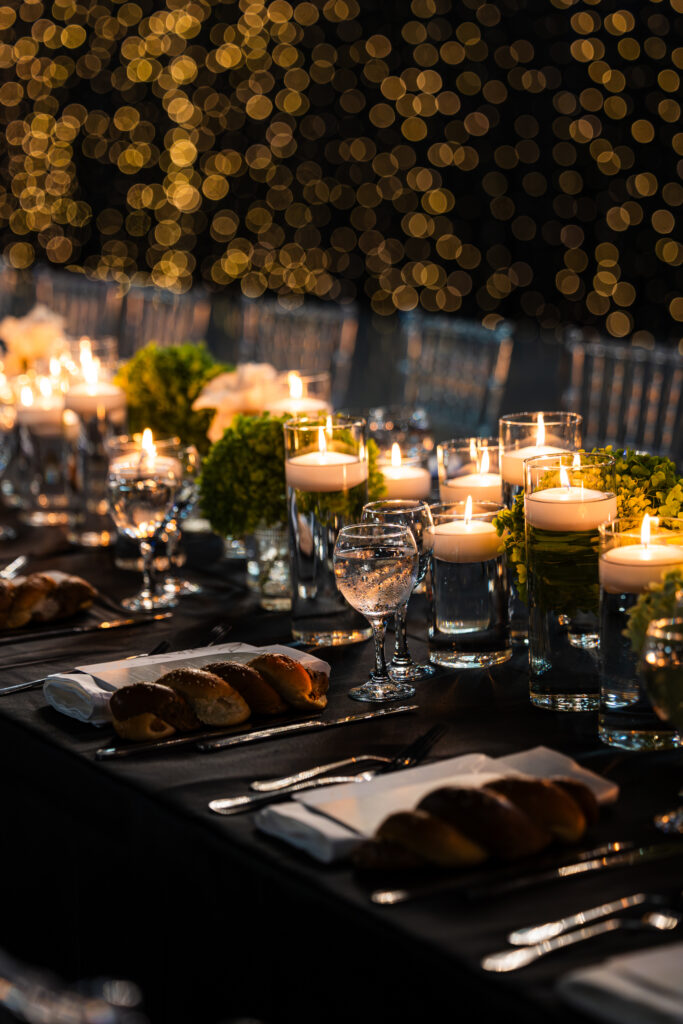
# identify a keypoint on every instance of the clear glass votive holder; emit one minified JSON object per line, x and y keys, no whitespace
{"x":468,"y":588}
{"x":567,"y":498}
{"x":326,"y":470}
{"x":527,"y":435}
{"x":469,"y":467}
{"x":661,"y":669}
{"x":407,"y":426}
{"x":633,"y":554}
{"x":303,"y":394}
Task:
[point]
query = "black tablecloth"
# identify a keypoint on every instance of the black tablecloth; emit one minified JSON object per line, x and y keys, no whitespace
{"x":119,"y":867}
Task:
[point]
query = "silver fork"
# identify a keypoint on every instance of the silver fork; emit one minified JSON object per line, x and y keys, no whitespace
{"x":275,"y":785}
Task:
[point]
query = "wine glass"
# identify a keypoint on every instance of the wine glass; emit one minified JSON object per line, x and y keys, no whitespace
{"x":142,"y":484}
{"x":183,"y":506}
{"x":375,"y":567}
{"x":661,"y":669}
{"x":417,"y":516}
{"x":7,"y":422}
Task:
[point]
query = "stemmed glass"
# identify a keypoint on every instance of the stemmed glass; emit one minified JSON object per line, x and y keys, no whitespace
{"x":417,"y":516}
{"x":375,"y":567}
{"x":661,"y":668}
{"x":7,"y":422}
{"x":142,"y":485}
{"x":183,"y":506}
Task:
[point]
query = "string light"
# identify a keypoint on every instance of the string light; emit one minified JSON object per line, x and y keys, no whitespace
{"x":436,"y":155}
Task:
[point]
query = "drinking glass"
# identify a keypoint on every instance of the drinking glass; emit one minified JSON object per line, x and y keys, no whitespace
{"x":7,"y":421}
{"x":416,"y":515}
{"x":375,"y":567}
{"x":143,"y":485}
{"x":661,"y":669}
{"x":183,"y":506}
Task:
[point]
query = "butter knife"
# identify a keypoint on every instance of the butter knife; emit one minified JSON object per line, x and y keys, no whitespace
{"x":602,"y":861}
{"x":53,"y":634}
{"x":242,"y":734}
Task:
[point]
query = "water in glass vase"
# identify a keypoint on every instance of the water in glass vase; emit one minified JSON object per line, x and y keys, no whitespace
{"x":564,"y":594}
{"x":469,"y":625}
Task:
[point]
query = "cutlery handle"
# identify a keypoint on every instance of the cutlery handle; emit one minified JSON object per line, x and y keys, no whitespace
{"x":543,"y":932}
{"x":16,"y":687}
{"x":513,"y":959}
{"x":237,"y":804}
{"x":275,"y":785}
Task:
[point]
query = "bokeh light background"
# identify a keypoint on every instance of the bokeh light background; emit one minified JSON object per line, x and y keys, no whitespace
{"x":508,"y":158}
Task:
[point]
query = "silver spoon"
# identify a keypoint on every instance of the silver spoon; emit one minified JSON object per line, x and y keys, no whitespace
{"x":514,"y":959}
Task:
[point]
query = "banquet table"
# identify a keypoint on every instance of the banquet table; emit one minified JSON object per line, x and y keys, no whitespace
{"x":118,"y":868}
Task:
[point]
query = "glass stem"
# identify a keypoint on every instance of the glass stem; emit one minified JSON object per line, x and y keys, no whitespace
{"x":172,"y":541}
{"x":379,"y":629}
{"x":401,"y":653}
{"x":148,"y":576}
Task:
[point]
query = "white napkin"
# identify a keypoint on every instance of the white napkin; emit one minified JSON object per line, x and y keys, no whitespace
{"x":635,"y":988}
{"x":84,"y":693}
{"x":330,"y":823}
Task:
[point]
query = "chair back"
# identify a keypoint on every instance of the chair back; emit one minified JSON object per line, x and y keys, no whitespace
{"x":310,"y":338}
{"x":9,"y":281}
{"x":456,"y":370}
{"x":628,"y":396}
{"x":163,"y":316}
{"x":87,"y":307}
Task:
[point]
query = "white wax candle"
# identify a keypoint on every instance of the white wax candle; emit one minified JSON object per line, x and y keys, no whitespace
{"x":406,"y":482}
{"x":460,"y":541}
{"x":140,"y":466}
{"x":44,"y":417}
{"x":300,"y":406}
{"x":631,"y":568}
{"x":512,"y":462}
{"x":325,"y":471}
{"x":88,"y":399}
{"x":569,"y":508}
{"x":482,"y":487}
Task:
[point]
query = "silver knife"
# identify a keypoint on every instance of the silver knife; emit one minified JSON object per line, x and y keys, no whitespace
{"x":240,"y":734}
{"x":601,"y":862}
{"x":53,"y":634}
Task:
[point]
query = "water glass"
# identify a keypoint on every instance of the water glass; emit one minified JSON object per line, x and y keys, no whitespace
{"x":375,"y":567}
{"x":469,"y":626}
{"x":415,"y":515}
{"x":184,"y":505}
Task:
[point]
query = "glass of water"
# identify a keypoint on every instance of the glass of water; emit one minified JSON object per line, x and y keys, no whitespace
{"x":417,"y":516}
{"x":143,"y":483}
{"x":469,"y":625}
{"x":375,"y":568}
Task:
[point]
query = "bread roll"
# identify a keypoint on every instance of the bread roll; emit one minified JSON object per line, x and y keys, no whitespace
{"x":6,"y":599}
{"x":71,"y":595}
{"x":153,"y":699}
{"x":584,"y":797}
{"x":143,"y":727}
{"x":259,"y":695}
{"x":29,"y":592}
{"x":213,"y":700}
{"x":488,"y":819}
{"x":381,"y":855}
{"x":292,"y":681}
{"x":549,"y":806}
{"x":431,"y":839}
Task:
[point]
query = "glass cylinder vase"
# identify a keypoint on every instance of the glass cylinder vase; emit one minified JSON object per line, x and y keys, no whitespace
{"x":567,"y":498}
{"x":268,"y":572}
{"x":633,"y":554}
{"x":326,"y":469}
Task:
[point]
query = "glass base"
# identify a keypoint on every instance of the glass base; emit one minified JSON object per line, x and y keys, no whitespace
{"x":565,"y":701}
{"x":411,"y":671}
{"x":332,"y":638}
{"x":638,"y":739}
{"x":376,"y":692}
{"x":182,"y":588}
{"x":147,"y":602}
{"x":469,"y":659}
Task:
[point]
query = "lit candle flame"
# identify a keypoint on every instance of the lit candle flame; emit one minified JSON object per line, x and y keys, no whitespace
{"x":147,"y":444}
{"x":485,"y":462}
{"x":645,"y":531}
{"x":322,"y":441}
{"x":91,"y":373}
{"x":473,"y":449}
{"x":26,"y":395}
{"x":468,"y":510}
{"x":395,"y":455}
{"x":564,"y":477}
{"x":45,"y":387}
{"x":296,"y":385}
{"x":328,"y":427}
{"x":55,"y":366}
{"x":576,"y":462}
{"x":540,"y":430}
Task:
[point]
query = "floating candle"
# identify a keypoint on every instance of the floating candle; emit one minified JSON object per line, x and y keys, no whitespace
{"x":464,"y":540}
{"x":482,"y":485}
{"x":145,"y":462}
{"x":406,"y":480}
{"x":512,"y":461}
{"x":41,"y":410}
{"x":94,"y":397}
{"x":325,"y":470}
{"x":568,"y":508}
{"x":630,"y":568}
{"x":298,"y":403}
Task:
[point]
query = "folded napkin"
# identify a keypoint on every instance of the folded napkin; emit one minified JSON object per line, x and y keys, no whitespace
{"x":330,"y":823}
{"x":84,"y":693}
{"x":635,"y":988}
